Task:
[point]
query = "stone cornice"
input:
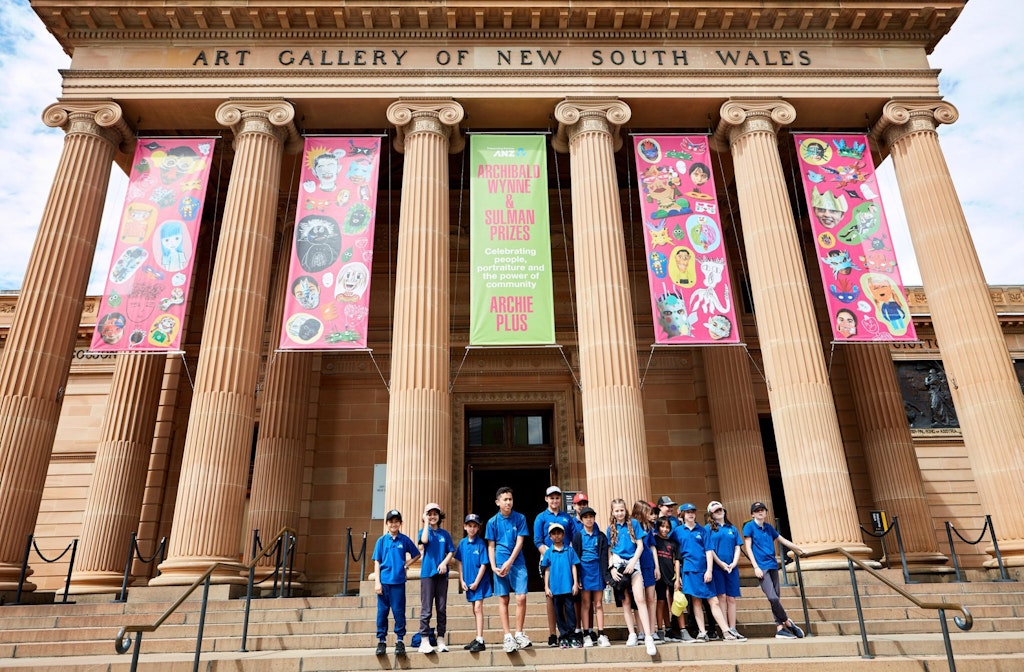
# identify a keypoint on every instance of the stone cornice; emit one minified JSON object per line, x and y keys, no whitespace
{"x":75,"y":21}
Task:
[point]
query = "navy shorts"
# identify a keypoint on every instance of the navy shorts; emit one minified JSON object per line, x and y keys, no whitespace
{"x":725,"y":584}
{"x":514,"y":582}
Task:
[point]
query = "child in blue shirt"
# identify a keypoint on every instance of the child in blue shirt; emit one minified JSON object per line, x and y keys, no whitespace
{"x":695,"y":568}
{"x":625,"y":539}
{"x":506,"y":531}
{"x":438,"y":549}
{"x":591,"y":546}
{"x":552,"y":514}
{"x":759,"y":538}
{"x":724,"y":542}
{"x":392,"y":554}
{"x":472,"y":557}
{"x":561,"y":583}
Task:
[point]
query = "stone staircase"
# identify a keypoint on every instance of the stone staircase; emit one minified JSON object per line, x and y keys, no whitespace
{"x":337,"y":633}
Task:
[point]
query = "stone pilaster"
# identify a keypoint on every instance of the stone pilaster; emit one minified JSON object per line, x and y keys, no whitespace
{"x":208,"y":512}
{"x":35,"y":360}
{"x":985,"y":389}
{"x":419,"y":416}
{"x":281,"y":445}
{"x":114,"y":505}
{"x":739,"y":452}
{"x":613,"y":414}
{"x":889,"y":450}
{"x":815,"y":476}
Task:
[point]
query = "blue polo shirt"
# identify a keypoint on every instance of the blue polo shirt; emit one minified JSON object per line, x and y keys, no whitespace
{"x":559,"y":564}
{"x":543,"y":522}
{"x":504,"y":532}
{"x":439,"y":544}
{"x":724,"y":541}
{"x":472,"y":555}
{"x":390,"y":553}
{"x":762,"y":543}
{"x":624,"y":546}
{"x":588,"y":543}
{"x":692,"y":549}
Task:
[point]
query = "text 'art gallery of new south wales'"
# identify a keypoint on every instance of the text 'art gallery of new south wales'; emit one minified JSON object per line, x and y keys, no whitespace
{"x":378,"y":255}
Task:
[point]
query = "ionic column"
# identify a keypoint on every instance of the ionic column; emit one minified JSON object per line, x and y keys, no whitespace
{"x":281,"y":445}
{"x":419,"y":415}
{"x":985,"y":390}
{"x":208,"y":512}
{"x":37,"y":355}
{"x":739,"y":452}
{"x":613,"y":414}
{"x":816,"y":479}
{"x":889,"y":450}
{"x":114,"y":505}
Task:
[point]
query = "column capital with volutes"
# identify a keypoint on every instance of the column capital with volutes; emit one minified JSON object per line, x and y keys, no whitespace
{"x":579,"y":115}
{"x":103,"y":118}
{"x":740,"y":116}
{"x":901,"y":117}
{"x":427,"y":115}
{"x":270,"y":116}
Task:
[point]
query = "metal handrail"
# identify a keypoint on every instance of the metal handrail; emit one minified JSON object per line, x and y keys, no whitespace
{"x":123,"y":642}
{"x":965,"y":623}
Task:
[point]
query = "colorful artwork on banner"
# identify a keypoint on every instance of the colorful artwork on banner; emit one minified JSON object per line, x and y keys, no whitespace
{"x":143,"y":306}
{"x":863,"y":289}
{"x":510,"y":242}
{"x":691,"y":291}
{"x":327,"y":304}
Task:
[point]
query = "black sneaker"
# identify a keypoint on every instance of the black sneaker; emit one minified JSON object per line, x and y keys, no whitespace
{"x":382,"y":648}
{"x":552,"y":641}
{"x":400,"y":648}
{"x":795,"y":629}
{"x":593,"y":636}
{"x":476,"y":646}
{"x":469,"y":647}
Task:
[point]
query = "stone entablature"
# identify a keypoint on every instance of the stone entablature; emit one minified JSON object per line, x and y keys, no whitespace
{"x":75,"y":21}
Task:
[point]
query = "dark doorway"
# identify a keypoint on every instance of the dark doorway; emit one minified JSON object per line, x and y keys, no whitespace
{"x":514,"y":449}
{"x":771,"y":459}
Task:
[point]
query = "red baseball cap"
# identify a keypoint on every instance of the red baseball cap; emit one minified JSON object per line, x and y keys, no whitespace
{"x":580,"y":497}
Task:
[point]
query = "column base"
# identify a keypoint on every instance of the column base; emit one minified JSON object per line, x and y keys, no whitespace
{"x":86,"y":583}
{"x":9,"y":575}
{"x":185,"y":571}
{"x":922,"y":563}
{"x":1012,"y":553}
{"x":165,"y":594}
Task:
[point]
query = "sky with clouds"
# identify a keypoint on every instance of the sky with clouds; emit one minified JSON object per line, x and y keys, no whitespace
{"x":982,"y":74}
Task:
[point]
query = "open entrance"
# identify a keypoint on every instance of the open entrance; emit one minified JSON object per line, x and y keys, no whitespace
{"x":511,"y":449}
{"x":771,"y":460}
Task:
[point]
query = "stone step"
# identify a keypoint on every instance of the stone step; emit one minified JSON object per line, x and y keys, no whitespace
{"x":920,"y":653}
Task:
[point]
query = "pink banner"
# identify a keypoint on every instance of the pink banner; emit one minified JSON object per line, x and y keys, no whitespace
{"x":863,"y":288}
{"x":147,"y":287}
{"x":689,"y":277}
{"x":328,"y":295}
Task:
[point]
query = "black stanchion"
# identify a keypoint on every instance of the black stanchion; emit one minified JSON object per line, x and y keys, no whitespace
{"x":989,"y":528}
{"x":30,"y":544}
{"x":134,"y":554}
{"x":894,"y":528}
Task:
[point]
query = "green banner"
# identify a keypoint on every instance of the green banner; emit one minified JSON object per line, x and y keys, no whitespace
{"x":510,"y":242}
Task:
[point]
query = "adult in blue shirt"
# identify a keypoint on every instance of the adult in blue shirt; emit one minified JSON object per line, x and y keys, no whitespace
{"x":542,"y":540}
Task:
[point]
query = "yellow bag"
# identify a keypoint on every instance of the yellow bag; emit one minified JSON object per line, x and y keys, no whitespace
{"x":678,"y":603}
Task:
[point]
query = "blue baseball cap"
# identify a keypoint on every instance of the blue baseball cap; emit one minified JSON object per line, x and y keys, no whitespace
{"x":687,"y":507}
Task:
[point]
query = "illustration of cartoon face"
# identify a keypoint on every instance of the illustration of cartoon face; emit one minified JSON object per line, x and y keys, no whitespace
{"x":882,"y":291}
{"x":360,"y":171}
{"x":846,"y":323}
{"x":712,"y":270}
{"x":353,"y":279}
{"x":317,"y":242}
{"x":672,"y":315}
{"x":661,"y":187}
{"x":649,"y":150}
{"x":176,"y":163}
{"x":840,"y":263}
{"x":357,"y":220}
{"x":682,"y":259}
{"x":828,"y":218}
{"x":659,"y":233}
{"x":306,"y":291}
{"x":699,"y":174}
{"x":325,"y":169}
{"x":718,"y":327}
{"x":111,"y":328}
{"x":657,"y":262}
{"x":846,"y":294}
{"x":138,"y":222}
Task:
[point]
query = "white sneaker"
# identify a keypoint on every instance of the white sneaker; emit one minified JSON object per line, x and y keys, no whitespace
{"x":631,"y":640}
{"x":587,"y":642}
{"x":651,"y":648}
{"x":509,"y":643}
{"x":603,"y":642}
{"x":425,"y":646}
{"x":522,"y":641}
{"x":441,"y":646}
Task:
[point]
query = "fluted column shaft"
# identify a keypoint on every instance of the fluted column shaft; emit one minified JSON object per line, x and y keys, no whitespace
{"x":280,"y":448}
{"x":739,"y":451}
{"x":419,"y":415}
{"x":37,"y":355}
{"x":114,"y":505}
{"x":985,"y":389}
{"x":816,"y":479}
{"x":208,"y":512}
{"x":889,"y":449}
{"x":613,"y":414}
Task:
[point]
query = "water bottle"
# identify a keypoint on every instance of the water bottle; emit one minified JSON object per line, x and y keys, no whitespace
{"x":607,"y":594}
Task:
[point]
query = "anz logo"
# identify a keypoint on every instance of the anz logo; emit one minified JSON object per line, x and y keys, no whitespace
{"x":507,"y":152}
